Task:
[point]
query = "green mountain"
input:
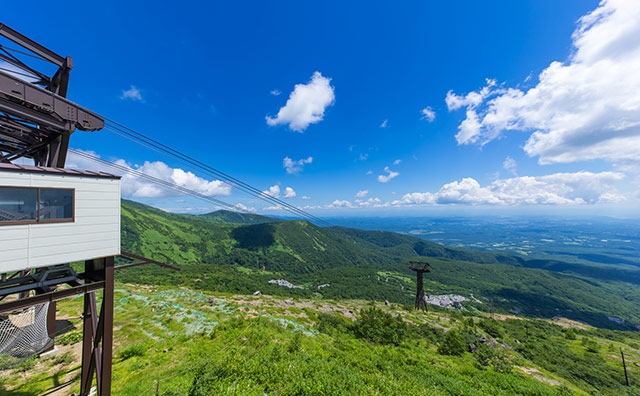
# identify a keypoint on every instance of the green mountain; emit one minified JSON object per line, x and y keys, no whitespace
{"x":229,"y":217}
{"x":227,"y":256}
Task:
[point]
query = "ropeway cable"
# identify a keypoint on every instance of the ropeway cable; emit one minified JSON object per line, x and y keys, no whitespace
{"x":139,"y":138}
{"x":152,"y":179}
{"x":191,"y":162}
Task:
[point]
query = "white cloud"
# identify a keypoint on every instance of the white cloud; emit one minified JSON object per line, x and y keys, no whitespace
{"x":289,"y":192}
{"x":275,"y":92}
{"x":555,"y":189}
{"x":397,"y":162}
{"x":384,"y":124}
{"x":510,"y":165}
{"x":362,"y":193}
{"x":390,"y":175}
{"x":132,"y":93}
{"x":369,"y":172}
{"x":305,"y":197}
{"x":306,"y":104}
{"x":273,"y":191}
{"x":340,"y":204}
{"x":428,"y":114}
{"x":132,"y":186}
{"x":363,"y":157}
{"x":585,"y":108}
{"x":244,"y":208}
{"x":294,"y":167}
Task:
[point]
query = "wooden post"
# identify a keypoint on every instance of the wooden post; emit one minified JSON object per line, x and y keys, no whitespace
{"x":624,"y":365}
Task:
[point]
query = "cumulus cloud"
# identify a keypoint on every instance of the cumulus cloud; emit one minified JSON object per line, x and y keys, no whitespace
{"x":340,"y":204}
{"x":132,"y":93}
{"x":555,"y":189}
{"x":244,"y":208}
{"x":390,"y":175}
{"x":275,"y":92}
{"x":384,"y":124}
{"x":305,"y":197}
{"x":294,"y":167}
{"x":585,"y":108}
{"x":362,"y":193}
{"x":289,"y":192}
{"x":273,"y":191}
{"x":510,"y":165}
{"x":428,"y":114}
{"x":132,"y":186}
{"x":397,"y":162}
{"x":306,"y":104}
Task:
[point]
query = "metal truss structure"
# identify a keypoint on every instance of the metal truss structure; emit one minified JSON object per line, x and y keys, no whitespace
{"x":36,"y":121}
{"x":421,"y":303}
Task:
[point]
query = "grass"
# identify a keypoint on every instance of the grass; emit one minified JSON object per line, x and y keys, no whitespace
{"x":248,"y":345}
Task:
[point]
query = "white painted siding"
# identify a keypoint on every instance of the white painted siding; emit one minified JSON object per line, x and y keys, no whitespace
{"x":95,"y":232}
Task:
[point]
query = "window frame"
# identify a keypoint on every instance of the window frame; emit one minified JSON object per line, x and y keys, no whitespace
{"x":38,"y":220}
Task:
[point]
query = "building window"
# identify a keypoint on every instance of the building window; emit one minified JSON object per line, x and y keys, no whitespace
{"x":28,"y":205}
{"x":18,"y":204}
{"x":56,"y":204}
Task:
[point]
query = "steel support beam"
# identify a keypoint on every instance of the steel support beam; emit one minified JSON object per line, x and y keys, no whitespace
{"x":50,"y":297}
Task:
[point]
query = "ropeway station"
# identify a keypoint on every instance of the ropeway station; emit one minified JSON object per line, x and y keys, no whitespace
{"x":51,"y":216}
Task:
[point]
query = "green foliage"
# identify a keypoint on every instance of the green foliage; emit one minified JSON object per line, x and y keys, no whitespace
{"x":70,"y":338}
{"x":492,"y":327}
{"x":487,"y":357}
{"x":453,"y":344}
{"x":590,"y":345}
{"x":132,"y":350}
{"x":380,"y":327}
{"x":63,"y":359}
{"x":570,"y":334}
{"x":330,"y":324}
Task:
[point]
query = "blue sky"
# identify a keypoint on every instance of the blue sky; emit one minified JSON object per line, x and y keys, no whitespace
{"x":364,"y":89}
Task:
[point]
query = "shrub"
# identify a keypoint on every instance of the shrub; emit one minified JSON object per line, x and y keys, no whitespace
{"x":380,"y":327}
{"x":132,"y":350}
{"x":64,"y":359}
{"x":329,"y":324}
{"x":487,"y":357}
{"x":70,"y":338}
{"x":570,"y":334}
{"x":453,"y":344}
{"x":492,"y":327}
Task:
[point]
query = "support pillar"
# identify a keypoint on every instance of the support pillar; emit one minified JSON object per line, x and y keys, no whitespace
{"x":97,"y":341}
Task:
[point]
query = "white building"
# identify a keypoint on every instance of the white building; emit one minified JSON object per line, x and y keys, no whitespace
{"x":52,"y":216}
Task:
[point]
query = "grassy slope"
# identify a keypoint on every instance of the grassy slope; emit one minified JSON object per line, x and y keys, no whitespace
{"x":248,"y":345}
{"x":242,"y":259}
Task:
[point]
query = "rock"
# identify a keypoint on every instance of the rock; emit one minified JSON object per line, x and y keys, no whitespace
{"x":482,"y":340}
{"x":516,"y":341}
{"x":386,"y":302}
{"x":257,"y":293}
{"x":288,"y":302}
{"x":492,"y":342}
{"x":165,"y":351}
{"x":472,"y":347}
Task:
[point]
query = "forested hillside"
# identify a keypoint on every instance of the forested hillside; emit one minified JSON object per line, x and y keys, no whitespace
{"x":219,"y":251}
